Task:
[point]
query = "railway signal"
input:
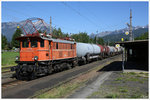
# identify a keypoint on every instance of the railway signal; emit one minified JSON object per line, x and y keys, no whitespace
{"x":122,"y":39}
{"x":126,"y":32}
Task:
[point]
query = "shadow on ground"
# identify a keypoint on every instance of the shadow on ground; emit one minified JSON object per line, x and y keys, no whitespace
{"x":117,"y":66}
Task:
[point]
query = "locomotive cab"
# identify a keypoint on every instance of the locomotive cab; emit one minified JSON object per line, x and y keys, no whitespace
{"x":33,"y":49}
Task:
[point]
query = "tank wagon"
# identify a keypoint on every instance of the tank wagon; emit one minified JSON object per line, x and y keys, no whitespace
{"x":111,"y":50}
{"x":86,"y":52}
{"x":102,"y":54}
{"x":40,"y":54}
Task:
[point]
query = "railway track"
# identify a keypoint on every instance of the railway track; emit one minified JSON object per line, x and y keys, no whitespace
{"x":29,"y":88}
{"x":11,"y":83}
{"x":7,"y":80}
{"x":6,"y":69}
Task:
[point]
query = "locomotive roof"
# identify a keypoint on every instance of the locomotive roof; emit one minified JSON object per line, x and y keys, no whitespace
{"x":45,"y":38}
{"x":58,"y":40}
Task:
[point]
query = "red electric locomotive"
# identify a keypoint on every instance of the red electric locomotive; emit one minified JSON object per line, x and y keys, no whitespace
{"x":40,"y":55}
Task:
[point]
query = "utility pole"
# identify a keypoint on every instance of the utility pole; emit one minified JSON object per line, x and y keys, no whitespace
{"x":131,"y":37}
{"x":96,"y":36}
{"x":108,"y":42}
{"x":50,"y":25}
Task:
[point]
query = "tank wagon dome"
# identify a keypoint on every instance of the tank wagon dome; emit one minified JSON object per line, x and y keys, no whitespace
{"x":85,"y":48}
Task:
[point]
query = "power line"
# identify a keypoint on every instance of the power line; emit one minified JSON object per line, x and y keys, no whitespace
{"x":16,"y":11}
{"x":79,"y":13}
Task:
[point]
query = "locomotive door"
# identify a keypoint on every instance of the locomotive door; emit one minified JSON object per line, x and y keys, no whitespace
{"x":50,"y":50}
{"x":34,"y":45}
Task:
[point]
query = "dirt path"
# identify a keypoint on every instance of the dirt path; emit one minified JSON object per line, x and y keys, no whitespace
{"x":89,"y":89}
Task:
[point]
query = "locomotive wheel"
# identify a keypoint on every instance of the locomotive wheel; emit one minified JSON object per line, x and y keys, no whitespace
{"x":68,"y":66}
{"x":32,"y":76}
{"x":50,"y":70}
{"x":19,"y":75}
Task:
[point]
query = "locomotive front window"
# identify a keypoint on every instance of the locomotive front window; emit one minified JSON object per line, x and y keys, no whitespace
{"x":42,"y":43}
{"x":33,"y":43}
{"x":25,"y":44}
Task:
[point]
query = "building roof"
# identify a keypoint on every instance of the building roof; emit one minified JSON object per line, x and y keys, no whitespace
{"x":133,"y":43}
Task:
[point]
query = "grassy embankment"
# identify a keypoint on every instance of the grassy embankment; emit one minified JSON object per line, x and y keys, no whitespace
{"x":8,"y":59}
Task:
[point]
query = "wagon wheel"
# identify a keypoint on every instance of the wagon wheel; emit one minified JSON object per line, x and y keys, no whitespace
{"x":88,"y":57}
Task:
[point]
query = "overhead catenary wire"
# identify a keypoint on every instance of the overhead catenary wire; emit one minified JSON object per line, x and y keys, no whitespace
{"x":76,"y":11}
{"x":80,"y":14}
{"x":18,"y":12}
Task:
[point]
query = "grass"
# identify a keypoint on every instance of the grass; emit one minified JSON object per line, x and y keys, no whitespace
{"x":137,"y":96}
{"x":8,"y":58}
{"x":112,"y":96}
{"x":123,"y":90}
{"x":122,"y":87}
{"x":61,"y":91}
{"x":131,"y":76}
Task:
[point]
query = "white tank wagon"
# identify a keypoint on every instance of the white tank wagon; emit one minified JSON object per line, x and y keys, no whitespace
{"x":119,"y":50}
{"x":111,"y":50}
{"x":87,"y":51}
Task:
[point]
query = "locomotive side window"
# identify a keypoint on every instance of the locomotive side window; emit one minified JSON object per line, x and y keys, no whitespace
{"x":25,"y":43}
{"x":42,"y":43}
{"x":56,"y":45}
{"x":71,"y":46}
{"x":33,"y":43}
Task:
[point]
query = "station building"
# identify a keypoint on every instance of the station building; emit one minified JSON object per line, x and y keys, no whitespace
{"x":136,"y":53}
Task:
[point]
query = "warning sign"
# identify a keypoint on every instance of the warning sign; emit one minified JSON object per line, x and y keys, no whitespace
{"x":117,"y":45}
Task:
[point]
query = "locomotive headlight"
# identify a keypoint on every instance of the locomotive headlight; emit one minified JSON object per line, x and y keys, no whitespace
{"x":17,"y":58}
{"x":35,"y":58}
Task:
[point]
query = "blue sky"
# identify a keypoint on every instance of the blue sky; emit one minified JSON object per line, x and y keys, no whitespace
{"x":74,"y":17}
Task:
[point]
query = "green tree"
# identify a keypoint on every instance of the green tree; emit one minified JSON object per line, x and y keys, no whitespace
{"x":100,"y":41}
{"x":57,"y":33}
{"x":142,"y":37}
{"x":4,"y":42}
{"x":14,"y":42}
{"x":81,"y":37}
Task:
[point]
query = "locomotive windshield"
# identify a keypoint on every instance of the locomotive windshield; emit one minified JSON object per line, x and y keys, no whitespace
{"x":42,"y":43}
{"x":33,"y":43}
{"x":25,"y":43}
